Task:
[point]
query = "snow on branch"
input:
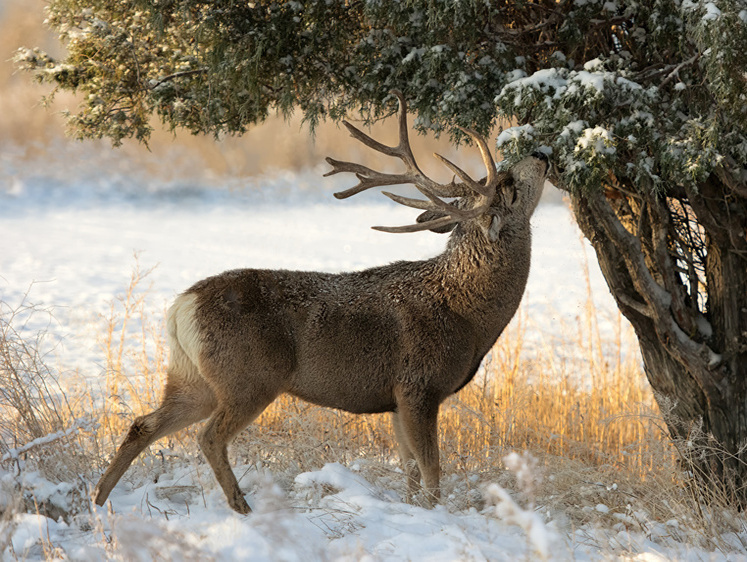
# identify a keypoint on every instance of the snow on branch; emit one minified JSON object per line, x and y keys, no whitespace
{"x":79,"y":424}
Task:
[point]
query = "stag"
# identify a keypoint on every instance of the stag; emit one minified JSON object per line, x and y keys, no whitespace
{"x":398,"y":338}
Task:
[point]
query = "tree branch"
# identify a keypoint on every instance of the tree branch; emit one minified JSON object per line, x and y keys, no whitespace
{"x":697,"y":358}
{"x":153,"y":86}
{"x":660,"y":226}
{"x":680,"y":66}
{"x":727,"y":178}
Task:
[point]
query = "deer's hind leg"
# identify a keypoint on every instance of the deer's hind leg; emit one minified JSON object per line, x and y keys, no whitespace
{"x":186,"y":401}
{"x":237,"y":407}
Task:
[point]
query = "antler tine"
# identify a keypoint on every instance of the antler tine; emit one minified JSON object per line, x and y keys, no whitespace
{"x":419,"y":227}
{"x":435,"y":204}
{"x":370,"y":178}
{"x":370,"y":142}
{"x":404,"y":134}
{"x":464,"y":176}
{"x":453,"y":216}
{"x":487,"y":157}
{"x":425,"y":185}
{"x":367,"y":178}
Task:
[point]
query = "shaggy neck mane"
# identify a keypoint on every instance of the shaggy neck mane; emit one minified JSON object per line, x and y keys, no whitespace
{"x":472,"y":271}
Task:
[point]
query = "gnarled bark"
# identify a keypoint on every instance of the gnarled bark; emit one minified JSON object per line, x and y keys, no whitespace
{"x":692,"y":328}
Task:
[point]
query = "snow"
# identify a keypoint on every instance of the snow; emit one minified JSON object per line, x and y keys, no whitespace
{"x":543,"y":80}
{"x":511,"y":134}
{"x":69,"y":247}
{"x":538,"y":535}
{"x":711,"y":12}
{"x":557,"y":83}
{"x":597,"y":140}
{"x":413,"y":54}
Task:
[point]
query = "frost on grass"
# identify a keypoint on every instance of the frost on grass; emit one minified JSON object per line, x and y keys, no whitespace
{"x":540,"y":538}
{"x":538,"y":535}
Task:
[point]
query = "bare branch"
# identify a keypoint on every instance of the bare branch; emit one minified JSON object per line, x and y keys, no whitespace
{"x":182,"y":74}
{"x":675,"y":72}
{"x":660,"y":226}
{"x":728,"y":179}
{"x":639,"y":307}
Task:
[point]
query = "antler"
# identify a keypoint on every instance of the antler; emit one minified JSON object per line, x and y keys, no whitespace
{"x":368,"y":178}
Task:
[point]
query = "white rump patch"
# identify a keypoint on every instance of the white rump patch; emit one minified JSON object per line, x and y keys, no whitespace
{"x":184,"y":338}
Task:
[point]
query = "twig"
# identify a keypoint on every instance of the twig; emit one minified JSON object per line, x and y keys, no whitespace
{"x":79,"y":424}
{"x":175,"y":76}
{"x":675,"y":72}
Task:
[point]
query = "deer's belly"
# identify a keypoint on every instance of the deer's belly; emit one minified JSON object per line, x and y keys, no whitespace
{"x":355,"y":391}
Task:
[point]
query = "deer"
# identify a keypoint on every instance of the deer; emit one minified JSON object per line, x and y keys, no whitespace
{"x":397,"y":338}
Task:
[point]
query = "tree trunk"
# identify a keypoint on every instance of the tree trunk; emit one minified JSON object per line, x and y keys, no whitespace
{"x":695,"y":359}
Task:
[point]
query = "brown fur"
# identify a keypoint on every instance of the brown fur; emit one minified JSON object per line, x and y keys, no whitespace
{"x":399,"y":338}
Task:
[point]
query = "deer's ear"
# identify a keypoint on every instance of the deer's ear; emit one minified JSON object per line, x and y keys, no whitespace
{"x":431,"y":215}
{"x":491,"y":226}
{"x":494,"y":229}
{"x":509,"y":190}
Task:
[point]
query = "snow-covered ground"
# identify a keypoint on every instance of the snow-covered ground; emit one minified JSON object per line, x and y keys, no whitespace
{"x":68,"y":245}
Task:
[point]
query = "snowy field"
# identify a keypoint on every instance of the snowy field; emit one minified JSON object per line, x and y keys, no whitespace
{"x":68,"y":246}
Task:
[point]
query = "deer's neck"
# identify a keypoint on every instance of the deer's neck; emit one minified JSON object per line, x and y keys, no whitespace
{"x":485,"y":281}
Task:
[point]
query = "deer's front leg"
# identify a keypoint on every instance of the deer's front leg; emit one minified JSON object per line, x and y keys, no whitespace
{"x":417,"y":418}
{"x":409,"y":464}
